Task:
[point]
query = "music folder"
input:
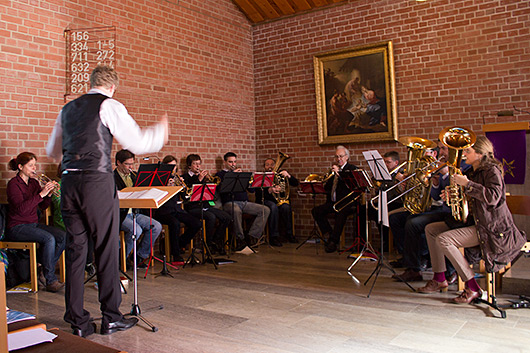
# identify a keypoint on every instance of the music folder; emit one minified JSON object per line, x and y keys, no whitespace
{"x":207,"y":191}
{"x":132,"y":201}
{"x":312,"y":187}
{"x":263,"y":180}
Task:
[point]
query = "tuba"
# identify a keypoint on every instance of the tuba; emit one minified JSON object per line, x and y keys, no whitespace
{"x":418,"y":199}
{"x":457,"y":139}
{"x":282,"y":196}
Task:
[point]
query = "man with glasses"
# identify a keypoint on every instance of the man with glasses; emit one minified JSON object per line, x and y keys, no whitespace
{"x":336,"y":189}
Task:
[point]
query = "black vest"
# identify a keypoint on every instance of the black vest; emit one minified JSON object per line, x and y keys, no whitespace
{"x":87,"y":143}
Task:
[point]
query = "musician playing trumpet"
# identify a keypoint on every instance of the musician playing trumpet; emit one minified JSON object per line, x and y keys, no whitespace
{"x":336,"y":189}
{"x":25,"y":195}
{"x":277,"y":212}
{"x":210,"y":214}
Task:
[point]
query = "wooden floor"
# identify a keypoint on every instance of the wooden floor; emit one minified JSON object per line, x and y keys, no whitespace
{"x":287,"y":300}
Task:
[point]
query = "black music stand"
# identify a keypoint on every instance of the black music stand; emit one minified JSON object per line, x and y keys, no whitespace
{"x":200,"y":193}
{"x":380,"y":173}
{"x":312,"y":188}
{"x":262,"y":181}
{"x":357,"y":181}
{"x":232,"y":183}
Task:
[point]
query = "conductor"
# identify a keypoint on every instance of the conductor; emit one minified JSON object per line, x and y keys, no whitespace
{"x":83,"y":135}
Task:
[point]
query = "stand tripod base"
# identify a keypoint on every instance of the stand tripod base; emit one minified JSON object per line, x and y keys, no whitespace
{"x":165,"y":271}
{"x":135,"y":311}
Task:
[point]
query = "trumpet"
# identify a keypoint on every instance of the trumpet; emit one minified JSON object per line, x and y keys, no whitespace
{"x":44,"y":179}
{"x":211,"y":178}
{"x":177,"y":182}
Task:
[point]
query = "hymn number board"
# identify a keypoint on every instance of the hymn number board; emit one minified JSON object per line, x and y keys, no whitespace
{"x":85,"y":49}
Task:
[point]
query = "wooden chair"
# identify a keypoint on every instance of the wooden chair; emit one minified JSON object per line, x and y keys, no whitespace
{"x":518,"y":205}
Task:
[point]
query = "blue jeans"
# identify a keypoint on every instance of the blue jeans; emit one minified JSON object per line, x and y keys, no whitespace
{"x":143,"y":224}
{"x":51,"y":244}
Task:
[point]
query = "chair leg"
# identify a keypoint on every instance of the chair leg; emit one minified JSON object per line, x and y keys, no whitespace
{"x":33,"y":267}
{"x":167,"y":242}
{"x":123,"y":255}
{"x":62,"y":267}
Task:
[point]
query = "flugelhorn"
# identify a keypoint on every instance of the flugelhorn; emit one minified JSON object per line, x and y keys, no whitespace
{"x":211,"y":178}
{"x":44,"y":179}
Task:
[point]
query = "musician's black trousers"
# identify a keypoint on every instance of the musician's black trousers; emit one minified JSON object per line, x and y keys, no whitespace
{"x":90,"y":209}
{"x":320,"y":214}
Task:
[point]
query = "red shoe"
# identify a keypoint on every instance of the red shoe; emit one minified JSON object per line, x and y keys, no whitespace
{"x":434,"y":286}
{"x":467,"y":296}
{"x":177,"y":263}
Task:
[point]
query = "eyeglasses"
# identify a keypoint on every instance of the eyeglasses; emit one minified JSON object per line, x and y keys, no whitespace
{"x":338,"y":156}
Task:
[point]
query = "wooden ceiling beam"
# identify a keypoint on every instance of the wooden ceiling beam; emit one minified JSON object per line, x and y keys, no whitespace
{"x":267,"y":8}
{"x":284,"y":7}
{"x":249,"y":10}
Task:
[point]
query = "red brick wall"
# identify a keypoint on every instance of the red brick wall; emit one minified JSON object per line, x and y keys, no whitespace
{"x":191,"y":59}
{"x":455,"y":62}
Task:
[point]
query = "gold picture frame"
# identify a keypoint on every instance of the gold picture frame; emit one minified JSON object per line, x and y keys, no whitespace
{"x":355,"y":95}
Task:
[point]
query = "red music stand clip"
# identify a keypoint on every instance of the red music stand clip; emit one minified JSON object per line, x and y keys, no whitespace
{"x":312,"y":187}
{"x":263,"y":180}
{"x":207,"y":195}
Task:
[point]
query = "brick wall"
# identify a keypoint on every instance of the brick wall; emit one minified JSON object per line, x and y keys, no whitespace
{"x":456,"y":62}
{"x":189,"y":58}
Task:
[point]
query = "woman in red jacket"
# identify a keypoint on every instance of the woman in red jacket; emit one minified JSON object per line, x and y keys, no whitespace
{"x":493,"y":235}
{"x":24,"y":195}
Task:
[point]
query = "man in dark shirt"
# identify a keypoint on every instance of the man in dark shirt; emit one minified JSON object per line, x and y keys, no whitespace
{"x":241,"y":205}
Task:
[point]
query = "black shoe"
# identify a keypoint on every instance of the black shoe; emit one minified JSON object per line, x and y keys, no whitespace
{"x":122,"y":325}
{"x":292,"y":239}
{"x":275,"y":242}
{"x":85,"y":333}
{"x":240,"y":245}
{"x":331,"y":246}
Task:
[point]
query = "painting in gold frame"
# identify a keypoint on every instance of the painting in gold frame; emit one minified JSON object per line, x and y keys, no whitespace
{"x":355,"y":95}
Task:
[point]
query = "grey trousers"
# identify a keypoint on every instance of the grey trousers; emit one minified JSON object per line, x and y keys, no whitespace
{"x":445,"y":242}
{"x":239,"y":207}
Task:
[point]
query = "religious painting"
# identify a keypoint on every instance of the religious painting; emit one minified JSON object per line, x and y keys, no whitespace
{"x":355,"y":95}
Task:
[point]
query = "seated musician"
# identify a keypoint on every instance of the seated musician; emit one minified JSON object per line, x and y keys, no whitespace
{"x":124,"y":177}
{"x":277,"y":212}
{"x":210,"y":214}
{"x":25,"y":195}
{"x":336,"y":189}
{"x":241,"y":205}
{"x":172,"y":214}
{"x":494,"y":236}
{"x":408,"y":229}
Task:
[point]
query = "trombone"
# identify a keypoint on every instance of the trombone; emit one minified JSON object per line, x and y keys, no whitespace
{"x":348,"y":200}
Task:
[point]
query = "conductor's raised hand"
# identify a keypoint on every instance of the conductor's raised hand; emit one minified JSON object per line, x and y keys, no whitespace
{"x":165,"y":124}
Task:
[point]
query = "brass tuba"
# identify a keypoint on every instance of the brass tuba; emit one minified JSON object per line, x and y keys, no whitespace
{"x":418,"y":199}
{"x":282,"y":196}
{"x":457,"y":139}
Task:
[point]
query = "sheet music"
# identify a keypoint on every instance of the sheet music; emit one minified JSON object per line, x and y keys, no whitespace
{"x":377,"y":165}
{"x":154,"y":194}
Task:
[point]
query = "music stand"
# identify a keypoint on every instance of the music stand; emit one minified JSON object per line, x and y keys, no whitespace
{"x":200,"y":193}
{"x":357,"y":181}
{"x":232,"y":183}
{"x":150,"y":203}
{"x":312,"y":188}
{"x":262,"y":181}
{"x":380,"y":173}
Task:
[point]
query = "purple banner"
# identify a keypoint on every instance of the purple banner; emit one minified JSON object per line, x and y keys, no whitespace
{"x":510,"y":149}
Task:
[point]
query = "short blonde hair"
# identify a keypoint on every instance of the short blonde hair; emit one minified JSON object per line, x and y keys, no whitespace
{"x":104,"y":76}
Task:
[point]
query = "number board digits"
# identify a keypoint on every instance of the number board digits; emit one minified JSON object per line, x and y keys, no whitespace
{"x":85,"y":49}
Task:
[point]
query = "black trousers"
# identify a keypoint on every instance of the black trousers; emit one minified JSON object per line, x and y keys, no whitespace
{"x":320,"y":214}
{"x":173,"y":220}
{"x":211,"y":215}
{"x":90,"y":209}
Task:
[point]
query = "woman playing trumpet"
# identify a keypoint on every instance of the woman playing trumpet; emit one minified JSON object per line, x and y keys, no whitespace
{"x":24,"y":195}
